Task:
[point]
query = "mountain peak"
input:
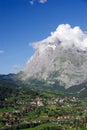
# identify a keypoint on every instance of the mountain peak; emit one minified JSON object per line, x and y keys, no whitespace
{"x":62,"y":56}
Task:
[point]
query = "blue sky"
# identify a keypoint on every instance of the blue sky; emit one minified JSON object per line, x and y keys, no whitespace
{"x":23,"y":22}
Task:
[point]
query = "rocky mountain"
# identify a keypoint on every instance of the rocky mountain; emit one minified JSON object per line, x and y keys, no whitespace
{"x":61,"y":57}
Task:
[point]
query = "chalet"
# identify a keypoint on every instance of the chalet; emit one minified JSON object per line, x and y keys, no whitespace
{"x":39,"y":103}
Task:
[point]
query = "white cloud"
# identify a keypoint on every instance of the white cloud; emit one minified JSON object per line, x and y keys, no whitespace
{"x":39,"y":1}
{"x":16,"y":68}
{"x":1,"y":51}
{"x":31,"y":2}
{"x":67,"y":35}
{"x":70,"y":36}
{"x":42,"y":1}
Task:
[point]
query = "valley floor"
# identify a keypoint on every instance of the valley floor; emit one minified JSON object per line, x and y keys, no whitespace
{"x":45,"y":111}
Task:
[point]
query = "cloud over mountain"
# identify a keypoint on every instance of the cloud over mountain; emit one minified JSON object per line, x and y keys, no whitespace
{"x":67,"y":36}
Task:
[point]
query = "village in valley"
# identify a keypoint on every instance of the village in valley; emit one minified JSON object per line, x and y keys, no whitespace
{"x":47,"y":110}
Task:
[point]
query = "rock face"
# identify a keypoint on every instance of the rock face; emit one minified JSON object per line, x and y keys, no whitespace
{"x":61,"y":57}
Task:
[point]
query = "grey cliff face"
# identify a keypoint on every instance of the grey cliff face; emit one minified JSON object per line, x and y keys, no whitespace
{"x":53,"y":60}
